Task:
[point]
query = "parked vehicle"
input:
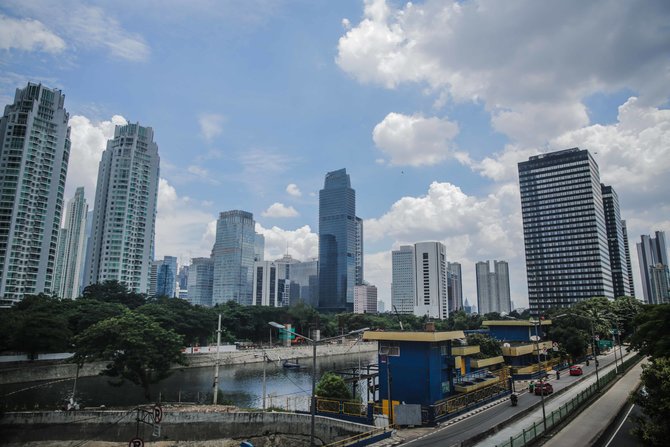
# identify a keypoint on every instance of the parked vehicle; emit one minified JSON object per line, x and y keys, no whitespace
{"x":543,"y":388}
{"x":576,"y":370}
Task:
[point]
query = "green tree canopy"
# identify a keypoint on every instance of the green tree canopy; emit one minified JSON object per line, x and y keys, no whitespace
{"x":333,"y":386}
{"x":139,"y":349}
{"x":652,"y":332}
{"x":653,"y":428}
{"x":488,"y":347}
{"x":114,"y":292}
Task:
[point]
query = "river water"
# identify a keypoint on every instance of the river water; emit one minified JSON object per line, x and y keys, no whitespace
{"x":241,"y":385}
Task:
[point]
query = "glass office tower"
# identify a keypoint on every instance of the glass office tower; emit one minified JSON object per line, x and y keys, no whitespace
{"x":34,"y":154}
{"x":616,"y":241}
{"x":565,"y":236}
{"x":340,"y":243}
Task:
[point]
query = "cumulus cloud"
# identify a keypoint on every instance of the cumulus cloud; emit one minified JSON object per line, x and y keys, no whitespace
{"x":89,"y":140}
{"x":414,"y":140}
{"x":280,"y":210}
{"x":529,"y":63}
{"x":211,"y":125}
{"x":28,"y":35}
{"x":301,"y":243}
{"x":293,"y":190}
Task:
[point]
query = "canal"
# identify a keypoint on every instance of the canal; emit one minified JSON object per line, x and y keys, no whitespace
{"x":240,"y":385}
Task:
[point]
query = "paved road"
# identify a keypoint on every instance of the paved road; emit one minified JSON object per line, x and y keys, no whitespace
{"x":471,"y":426}
{"x":619,"y":434}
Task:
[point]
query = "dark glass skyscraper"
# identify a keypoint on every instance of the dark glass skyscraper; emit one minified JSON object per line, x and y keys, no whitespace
{"x":616,"y":241}
{"x":340,"y":243}
{"x":654,"y":272}
{"x":567,"y":255}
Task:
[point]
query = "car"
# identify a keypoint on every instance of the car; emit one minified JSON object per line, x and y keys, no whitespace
{"x":543,"y":389}
{"x":576,"y":370}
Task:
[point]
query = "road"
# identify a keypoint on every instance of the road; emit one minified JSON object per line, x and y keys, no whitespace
{"x":476,"y":424}
{"x":619,"y":434}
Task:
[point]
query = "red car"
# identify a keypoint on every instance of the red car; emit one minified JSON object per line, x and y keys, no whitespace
{"x":576,"y":371}
{"x":543,"y":388}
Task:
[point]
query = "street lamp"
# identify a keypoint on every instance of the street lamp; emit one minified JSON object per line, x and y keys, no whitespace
{"x":314,"y":344}
{"x":536,"y":323}
{"x":593,"y":341}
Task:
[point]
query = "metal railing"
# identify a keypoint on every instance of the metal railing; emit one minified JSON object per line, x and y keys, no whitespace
{"x":565,"y":411}
{"x":361,"y":437}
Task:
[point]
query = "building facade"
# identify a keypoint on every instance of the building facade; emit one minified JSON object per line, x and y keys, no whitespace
{"x":565,"y":236}
{"x":34,"y":155}
{"x":124,"y":215}
{"x":166,"y":278}
{"x":616,"y":242}
{"x":200,"y":281}
{"x":629,"y":264}
{"x":365,"y":299}
{"x":403,"y":284}
{"x":653,"y":258}
{"x":72,"y":248}
{"x":340,"y":240}
{"x":430,"y":262}
{"x":233,"y":257}
{"x":493,"y":290}
{"x":304,"y":282}
{"x":454,"y":287}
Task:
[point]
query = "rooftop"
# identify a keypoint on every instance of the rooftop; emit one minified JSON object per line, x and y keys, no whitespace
{"x":427,"y":337}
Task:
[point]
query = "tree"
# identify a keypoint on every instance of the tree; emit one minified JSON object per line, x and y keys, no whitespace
{"x":39,"y":325}
{"x":333,"y":386}
{"x":488,"y":347}
{"x":653,"y":428}
{"x":139,"y":349}
{"x":652,"y":331}
{"x":114,"y":292}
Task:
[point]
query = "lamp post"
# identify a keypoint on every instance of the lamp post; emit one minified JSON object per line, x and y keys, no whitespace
{"x":536,"y":323}
{"x":593,"y":341}
{"x":314,"y":344}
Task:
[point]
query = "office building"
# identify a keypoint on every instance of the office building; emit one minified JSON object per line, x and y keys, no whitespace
{"x":493,"y":290}
{"x":340,"y":243}
{"x":365,"y":299}
{"x":304,"y":282}
{"x":233,"y":256}
{"x":403,"y":284}
{"x":124,"y":215}
{"x":629,"y":264}
{"x":34,"y":153}
{"x":454,"y":287}
{"x":200,"y":281}
{"x":467,"y":308}
{"x":430,"y":261}
{"x":259,"y":247}
{"x":183,"y":277}
{"x":616,"y":242}
{"x":653,"y":259}
{"x":565,"y":236}
{"x":166,"y":277}
{"x":381,"y":307}
{"x":153,"y":276}
{"x":72,"y":248}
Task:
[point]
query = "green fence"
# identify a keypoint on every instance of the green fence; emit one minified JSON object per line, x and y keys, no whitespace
{"x":533,"y":432}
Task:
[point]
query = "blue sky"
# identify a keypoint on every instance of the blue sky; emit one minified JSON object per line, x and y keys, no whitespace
{"x":428,"y":105}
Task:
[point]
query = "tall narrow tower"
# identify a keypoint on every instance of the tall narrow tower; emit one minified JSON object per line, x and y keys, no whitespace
{"x":34,"y":154}
{"x":617,"y":243}
{"x":124,"y":216}
{"x":653,"y":258}
{"x":72,"y":248}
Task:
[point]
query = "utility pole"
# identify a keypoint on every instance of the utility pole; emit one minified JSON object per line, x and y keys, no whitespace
{"x":265,"y":358}
{"x":216,"y":368}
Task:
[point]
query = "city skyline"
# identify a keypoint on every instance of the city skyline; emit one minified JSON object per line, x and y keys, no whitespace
{"x":328,"y":85}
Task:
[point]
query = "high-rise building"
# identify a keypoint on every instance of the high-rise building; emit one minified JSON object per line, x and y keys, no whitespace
{"x":381,"y":307}
{"x":365,"y":299}
{"x":183,"y":277}
{"x":72,"y":248}
{"x":653,"y":259}
{"x":259,"y":247}
{"x":153,"y":276}
{"x":34,"y":154}
{"x":493,"y":291}
{"x":166,"y":277}
{"x":454,"y":287}
{"x":629,"y":264}
{"x":340,"y":243}
{"x":124,"y":215}
{"x":403,"y":284}
{"x":233,"y":257}
{"x":616,"y":242}
{"x":266,"y":284}
{"x":200,"y":281}
{"x":567,"y":255}
{"x":430,"y":262}
{"x":304,"y":282}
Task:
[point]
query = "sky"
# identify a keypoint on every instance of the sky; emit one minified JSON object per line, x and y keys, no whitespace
{"x":429,"y":106}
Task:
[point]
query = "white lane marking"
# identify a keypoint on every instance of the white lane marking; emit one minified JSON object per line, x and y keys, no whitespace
{"x":619,"y":427}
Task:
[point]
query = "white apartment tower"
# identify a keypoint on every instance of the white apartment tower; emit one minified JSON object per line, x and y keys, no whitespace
{"x":402,"y":280}
{"x":124,"y":216}
{"x":72,"y":247}
{"x":430,"y":261}
{"x":365,"y":299}
{"x":493,"y":290}
{"x":34,"y":154}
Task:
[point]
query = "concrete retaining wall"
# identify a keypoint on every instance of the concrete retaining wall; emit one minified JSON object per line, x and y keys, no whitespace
{"x":118,"y":426}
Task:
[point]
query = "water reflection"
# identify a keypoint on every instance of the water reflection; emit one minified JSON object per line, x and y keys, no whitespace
{"x":241,"y":385}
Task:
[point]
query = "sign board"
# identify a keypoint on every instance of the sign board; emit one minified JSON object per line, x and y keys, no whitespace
{"x":136,"y":442}
{"x":158,"y":414}
{"x":534,"y":338}
{"x":407,"y":414}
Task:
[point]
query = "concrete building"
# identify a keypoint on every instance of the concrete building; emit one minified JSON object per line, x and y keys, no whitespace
{"x":365,"y":299}
{"x":72,"y":248}
{"x":200,"y":281}
{"x":493,"y":290}
{"x":340,"y":243}
{"x":653,"y":259}
{"x":124,"y":215}
{"x":565,"y":235}
{"x":454,"y":287}
{"x":616,"y":243}
{"x":266,"y":284}
{"x":166,"y":277}
{"x":34,"y":153}
{"x":403,"y":284}
{"x":430,"y":261}
{"x":629,"y":264}
{"x":233,"y":257}
{"x":381,"y":307}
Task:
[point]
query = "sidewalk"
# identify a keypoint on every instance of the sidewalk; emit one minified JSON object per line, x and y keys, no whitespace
{"x":595,"y":419}
{"x":536,"y":416}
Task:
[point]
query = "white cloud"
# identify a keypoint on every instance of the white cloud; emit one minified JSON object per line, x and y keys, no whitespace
{"x":89,"y":140}
{"x":531,"y":64}
{"x":301,"y":243}
{"x":280,"y":210}
{"x":414,"y":140}
{"x":211,"y":125}
{"x":28,"y":35}
{"x":198,"y":173}
{"x":84,"y":26}
{"x":293,"y":190}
